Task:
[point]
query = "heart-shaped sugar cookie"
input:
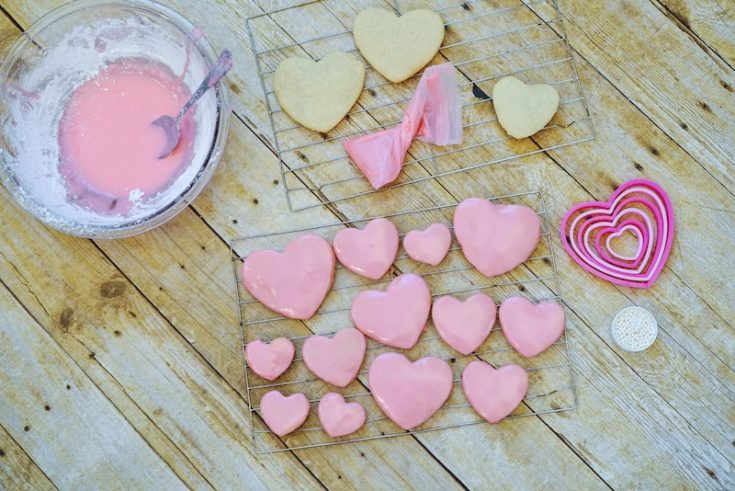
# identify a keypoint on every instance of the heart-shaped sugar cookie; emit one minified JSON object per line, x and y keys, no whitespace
{"x":522,"y":109}
{"x":368,"y":252}
{"x":398,"y":47}
{"x":495,"y":238}
{"x":284,"y":414}
{"x":494,"y":393}
{"x":319,"y":94}
{"x":338,"y":417}
{"x":531,"y":328}
{"x":409,"y":393}
{"x":269,"y":360}
{"x":295,"y":282}
{"x":335,"y":360}
{"x":428,"y":246}
{"x":464,"y":325}
{"x":398,"y":315}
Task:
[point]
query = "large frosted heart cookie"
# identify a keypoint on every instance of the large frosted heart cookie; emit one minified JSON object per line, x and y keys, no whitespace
{"x":368,"y":252}
{"x":295,"y":282}
{"x":524,"y":109}
{"x":318,"y":94}
{"x":494,"y":393}
{"x":284,"y":414}
{"x":397,"y":316}
{"x":464,"y":325}
{"x":398,"y":47}
{"x":270,"y":360}
{"x":409,"y":393}
{"x":495,"y":238}
{"x":336,"y":360}
{"x":531,"y":328}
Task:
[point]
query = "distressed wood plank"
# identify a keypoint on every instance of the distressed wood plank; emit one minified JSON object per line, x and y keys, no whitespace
{"x":17,"y":469}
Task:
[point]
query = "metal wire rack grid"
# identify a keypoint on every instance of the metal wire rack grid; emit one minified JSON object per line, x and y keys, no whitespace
{"x":485,"y":40}
{"x":552,"y":388}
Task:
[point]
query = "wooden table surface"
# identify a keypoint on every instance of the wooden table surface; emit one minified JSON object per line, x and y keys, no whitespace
{"x":120,"y":363}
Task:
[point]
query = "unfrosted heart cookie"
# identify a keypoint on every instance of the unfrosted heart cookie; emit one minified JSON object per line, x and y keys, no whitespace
{"x":464,"y":325}
{"x":495,"y":238}
{"x":284,"y":414}
{"x":269,"y":360}
{"x":398,"y":315}
{"x":295,"y":282}
{"x":318,"y":94}
{"x":409,"y":393}
{"x":398,"y":47}
{"x":338,"y":417}
{"x":336,"y":360}
{"x":522,"y":109}
{"x":494,"y":393}
{"x":428,"y":246}
{"x":531,"y":328}
{"x":370,"y":251}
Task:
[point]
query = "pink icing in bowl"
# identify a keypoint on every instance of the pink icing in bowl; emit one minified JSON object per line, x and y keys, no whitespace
{"x":76,"y":91}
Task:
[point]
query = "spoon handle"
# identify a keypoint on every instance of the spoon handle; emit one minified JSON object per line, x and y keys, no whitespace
{"x":220,"y":68}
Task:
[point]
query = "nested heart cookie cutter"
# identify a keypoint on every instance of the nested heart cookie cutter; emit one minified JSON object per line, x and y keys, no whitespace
{"x":639,"y":207}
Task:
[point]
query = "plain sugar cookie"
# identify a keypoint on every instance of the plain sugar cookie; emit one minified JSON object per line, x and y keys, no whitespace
{"x":398,"y":47}
{"x":524,"y":109}
{"x":318,"y":94}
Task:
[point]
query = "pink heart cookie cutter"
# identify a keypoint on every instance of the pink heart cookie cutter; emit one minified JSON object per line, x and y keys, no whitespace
{"x":638,"y":205}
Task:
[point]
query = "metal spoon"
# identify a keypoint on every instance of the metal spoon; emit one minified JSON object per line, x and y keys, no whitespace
{"x":169,"y":125}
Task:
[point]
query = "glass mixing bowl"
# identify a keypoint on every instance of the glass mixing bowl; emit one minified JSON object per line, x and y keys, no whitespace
{"x":66,"y":48}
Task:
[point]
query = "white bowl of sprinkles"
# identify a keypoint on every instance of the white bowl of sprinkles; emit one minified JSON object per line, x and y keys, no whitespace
{"x":634,"y":329}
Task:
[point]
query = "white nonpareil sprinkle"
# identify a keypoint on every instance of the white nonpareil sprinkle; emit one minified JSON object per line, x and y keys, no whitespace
{"x":634,"y":329}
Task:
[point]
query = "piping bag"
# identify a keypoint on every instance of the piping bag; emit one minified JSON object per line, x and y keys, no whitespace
{"x":434,"y":115}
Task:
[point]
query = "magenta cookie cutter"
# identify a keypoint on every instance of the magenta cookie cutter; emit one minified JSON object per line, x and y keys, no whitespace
{"x":639,"y":206}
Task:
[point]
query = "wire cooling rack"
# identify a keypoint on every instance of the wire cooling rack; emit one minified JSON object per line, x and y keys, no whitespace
{"x":551,"y":379}
{"x":485,"y":40}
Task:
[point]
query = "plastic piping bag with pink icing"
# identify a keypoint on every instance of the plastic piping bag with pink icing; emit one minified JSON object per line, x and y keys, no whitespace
{"x":434,"y":116}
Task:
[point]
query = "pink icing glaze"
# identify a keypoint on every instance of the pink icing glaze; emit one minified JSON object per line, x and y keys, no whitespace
{"x":339,"y":418}
{"x":428,"y":246}
{"x":295,"y":282}
{"x":284,"y":414}
{"x":107,"y":144}
{"x":494,"y":393}
{"x":409,"y":393}
{"x":495,"y":238}
{"x":434,"y":115}
{"x":531,"y":328}
{"x":335,"y":360}
{"x":397,"y":316}
{"x":464,"y":325}
{"x":368,"y":252}
{"x":270,"y":360}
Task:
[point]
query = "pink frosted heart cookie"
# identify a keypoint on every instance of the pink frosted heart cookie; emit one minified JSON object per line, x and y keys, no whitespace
{"x":409,"y":393}
{"x":295,"y":282}
{"x":464,"y":325}
{"x":284,"y":414}
{"x":397,"y":316}
{"x":494,"y":393}
{"x":531,"y":328}
{"x":335,"y":360}
{"x":368,"y":252}
{"x":495,"y":238}
{"x":338,"y":417}
{"x":428,"y":246}
{"x":269,"y":360}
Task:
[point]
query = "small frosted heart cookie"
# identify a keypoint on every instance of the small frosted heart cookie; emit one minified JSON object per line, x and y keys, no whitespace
{"x":335,"y":360}
{"x":284,"y":414}
{"x":369,"y":252}
{"x":464,"y":325}
{"x":270,"y":360}
{"x":524,"y":109}
{"x":396,"y":317}
{"x":428,"y":246}
{"x":338,"y":417}
{"x":531,"y":328}
{"x":398,"y":47}
{"x":295,"y":282}
{"x":409,"y":393}
{"x":495,"y":238}
{"x":318,"y":94}
{"x":494,"y":393}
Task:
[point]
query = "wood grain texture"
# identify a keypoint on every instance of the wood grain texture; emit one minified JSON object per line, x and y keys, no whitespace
{"x":17,"y":469}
